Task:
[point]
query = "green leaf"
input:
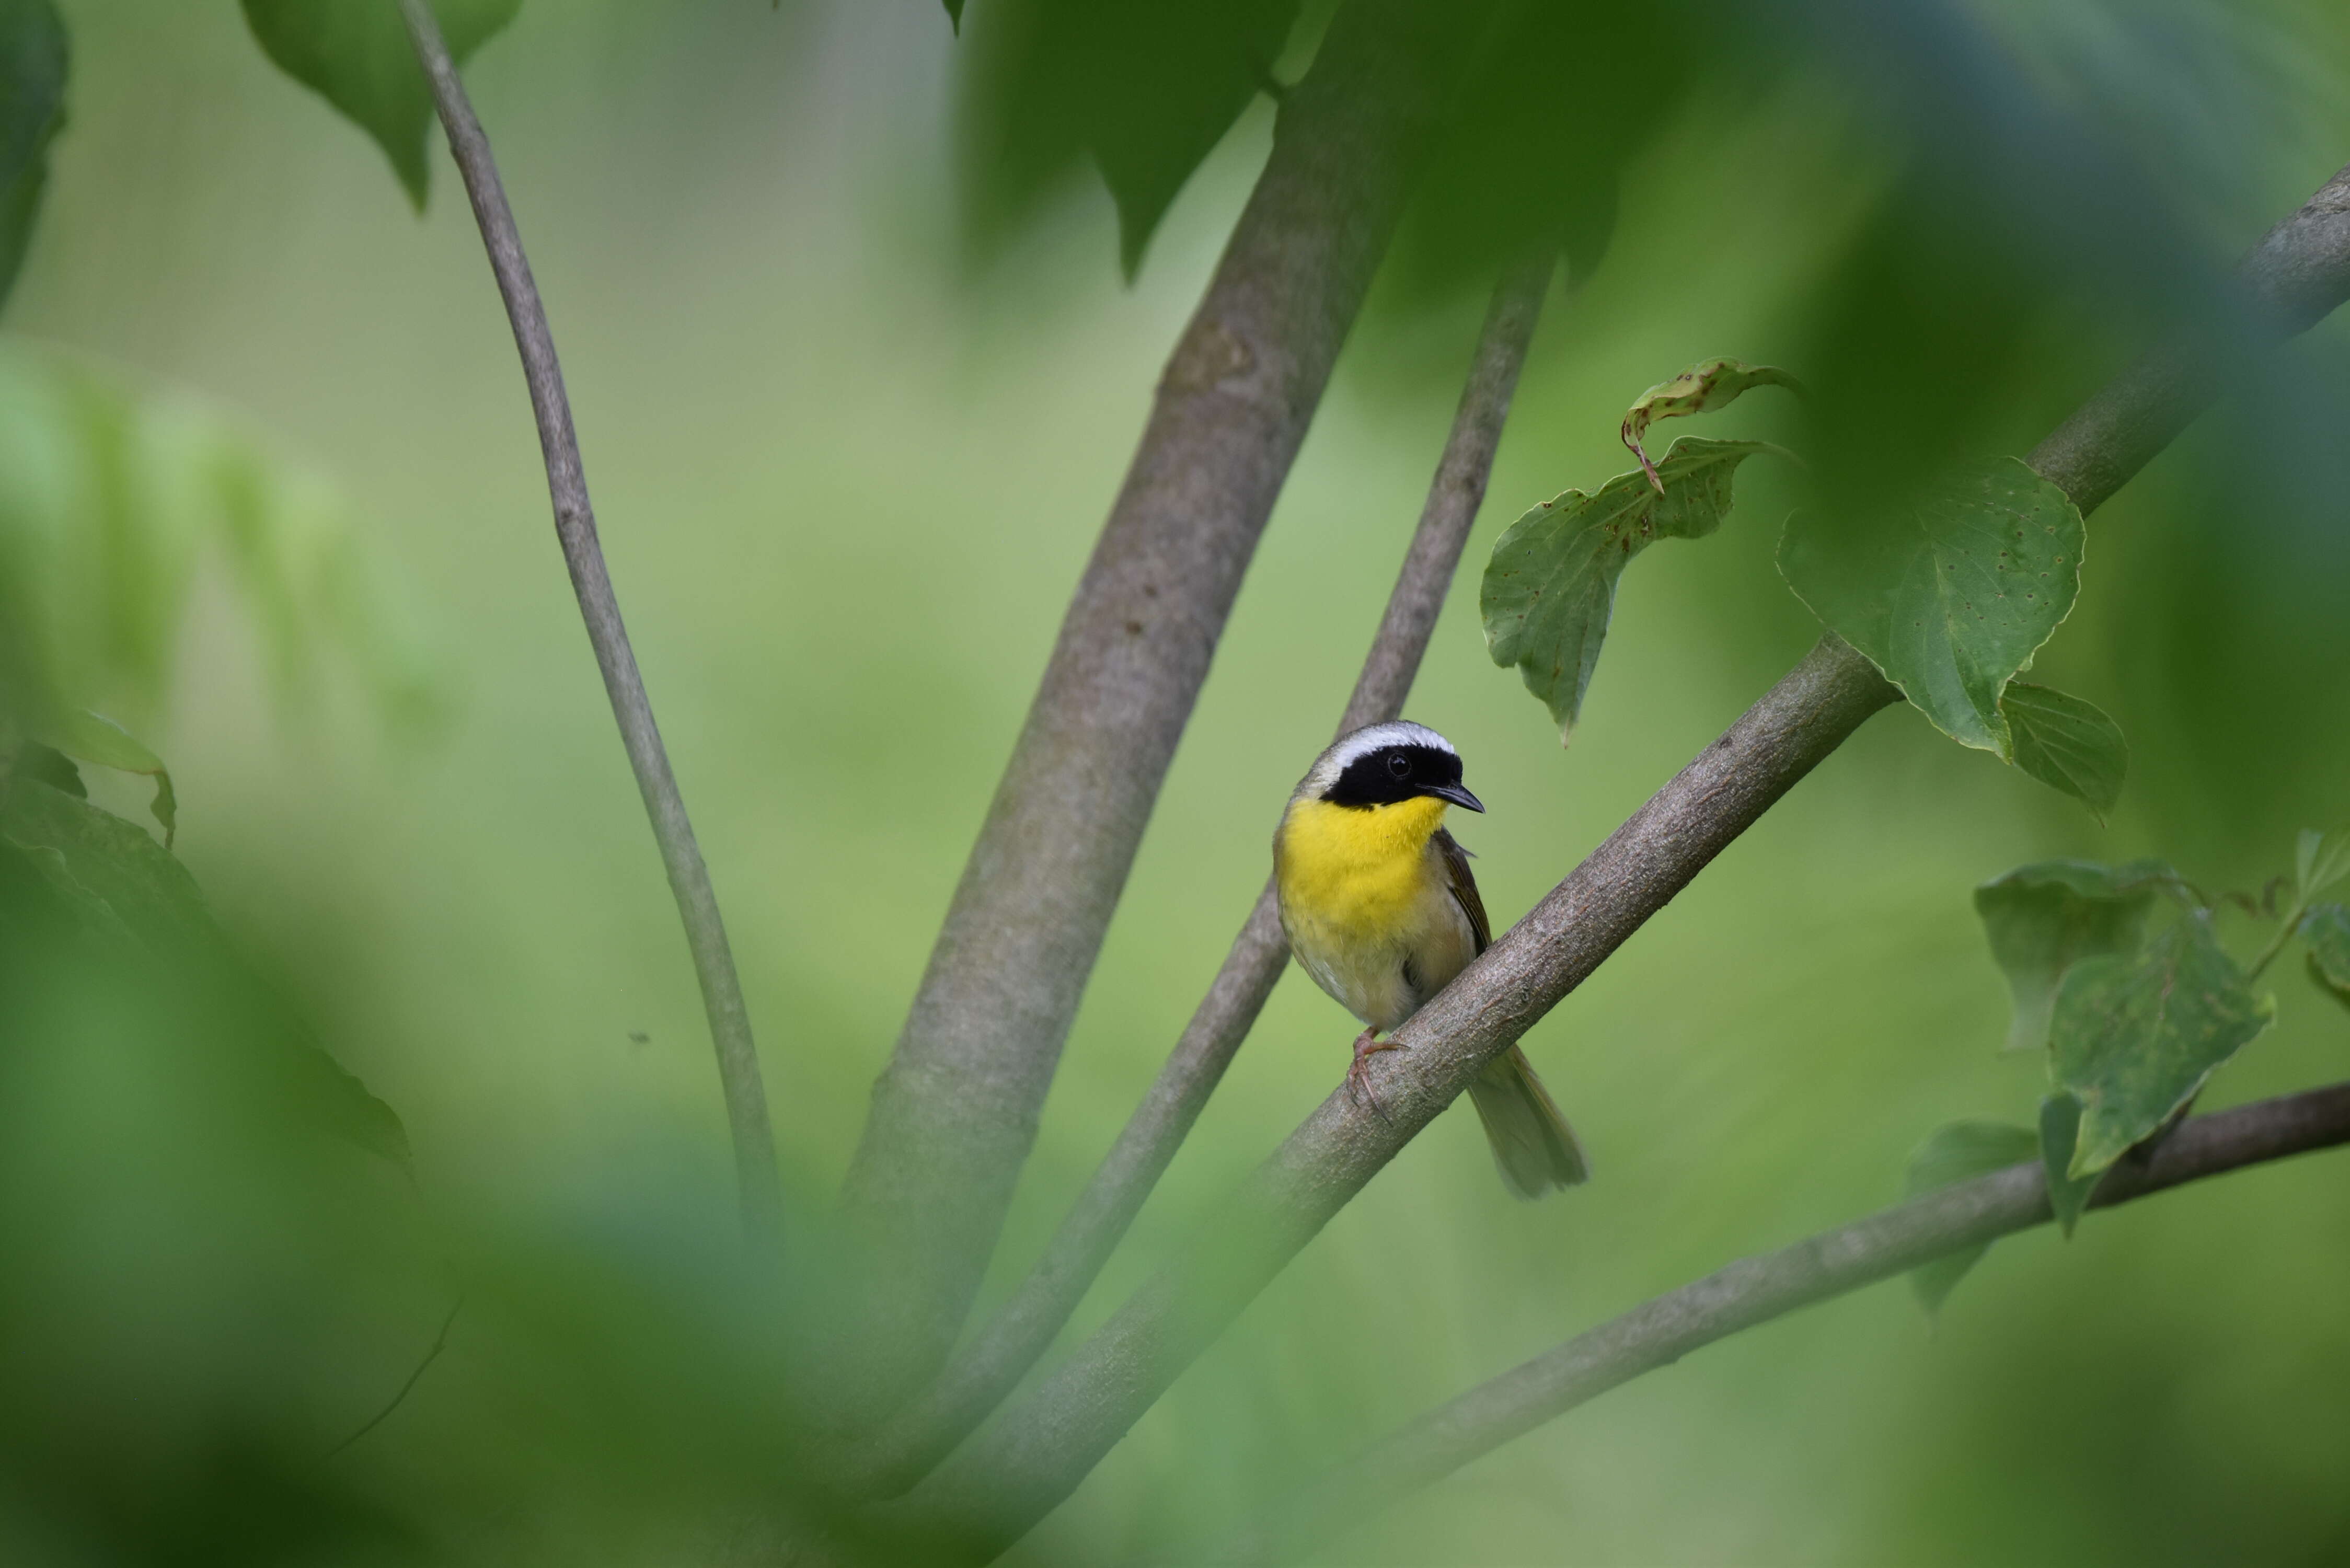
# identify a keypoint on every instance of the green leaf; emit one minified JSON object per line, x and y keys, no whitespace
{"x":116,"y":497}
{"x":1550,"y":588}
{"x":31,"y":108}
{"x":2060,"y":1131}
{"x":1959,"y":1151}
{"x":2320,"y":860}
{"x":2326,"y":932}
{"x":126,"y":888}
{"x":2042,"y":918}
{"x":1699,"y":390}
{"x":94,"y":738}
{"x":1951,"y":601}
{"x":954,"y":16}
{"x":2133,"y":1039}
{"x":356,"y":54}
{"x":2062,"y":740}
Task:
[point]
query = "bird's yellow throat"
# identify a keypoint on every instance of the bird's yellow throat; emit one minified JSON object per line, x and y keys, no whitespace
{"x":1357,"y":865}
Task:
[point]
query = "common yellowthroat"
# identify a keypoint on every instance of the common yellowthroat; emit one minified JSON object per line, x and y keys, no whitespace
{"x":1382,"y":911}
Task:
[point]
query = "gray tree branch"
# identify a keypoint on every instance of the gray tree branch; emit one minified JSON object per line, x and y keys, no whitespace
{"x":992,"y":1493}
{"x":955,"y":1113}
{"x":1754,"y":1291}
{"x":575,"y":530}
{"x":984,"y":1371}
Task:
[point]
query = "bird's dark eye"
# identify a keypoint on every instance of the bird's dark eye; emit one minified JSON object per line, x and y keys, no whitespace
{"x":1400,"y":766}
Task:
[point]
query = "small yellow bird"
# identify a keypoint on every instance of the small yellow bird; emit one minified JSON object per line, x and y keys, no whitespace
{"x":1381,"y":910}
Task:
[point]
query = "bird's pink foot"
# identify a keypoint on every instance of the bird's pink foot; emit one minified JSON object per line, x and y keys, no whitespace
{"x":1358,"y":1082}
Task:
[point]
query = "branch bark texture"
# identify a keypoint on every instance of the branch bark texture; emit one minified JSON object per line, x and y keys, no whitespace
{"x":583,"y":555}
{"x":955,"y":1113}
{"x":986,"y":1370}
{"x":992,"y":1493}
{"x":1753,"y":1290}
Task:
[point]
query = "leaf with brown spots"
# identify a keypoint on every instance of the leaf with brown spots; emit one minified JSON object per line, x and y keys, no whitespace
{"x":1699,"y":390}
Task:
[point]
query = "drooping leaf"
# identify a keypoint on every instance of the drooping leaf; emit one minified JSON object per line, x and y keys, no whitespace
{"x":125,"y":887}
{"x":356,"y":54}
{"x":2044,"y":918}
{"x":52,"y":767}
{"x":2325,"y":932}
{"x":1951,"y":600}
{"x":2060,"y":1132}
{"x":2062,"y":740}
{"x":1141,"y":88}
{"x":1699,"y":390}
{"x":2320,"y":860}
{"x":1959,"y":1151}
{"x":2134,"y":1038}
{"x":1550,"y":588}
{"x":33,"y":59}
{"x":954,"y":16}
{"x":94,"y":738}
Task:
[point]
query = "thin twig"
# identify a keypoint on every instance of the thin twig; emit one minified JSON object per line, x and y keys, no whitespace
{"x":955,"y":1113}
{"x":995,"y":1360}
{"x":575,"y":529}
{"x":990,"y":1494}
{"x":1754,"y":1291}
{"x":440,"y":1342}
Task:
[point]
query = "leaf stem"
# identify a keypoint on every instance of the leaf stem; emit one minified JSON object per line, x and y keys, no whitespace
{"x":2285,"y":928}
{"x":583,"y":555}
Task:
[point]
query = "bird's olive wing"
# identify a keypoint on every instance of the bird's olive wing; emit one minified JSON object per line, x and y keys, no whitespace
{"x":1464,"y":888}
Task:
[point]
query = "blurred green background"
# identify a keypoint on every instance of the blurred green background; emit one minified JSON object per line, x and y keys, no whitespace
{"x":847,"y":470}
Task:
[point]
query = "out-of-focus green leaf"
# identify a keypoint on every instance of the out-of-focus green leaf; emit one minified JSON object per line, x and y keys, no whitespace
{"x":2063,"y":740}
{"x":2320,"y":860}
{"x":1959,"y":1151}
{"x":1951,"y":600}
{"x":1699,"y":390}
{"x":2325,"y":932}
{"x":1143,"y":89}
{"x":127,"y":887}
{"x":31,"y":108}
{"x":2060,"y":1131}
{"x":2042,"y":918}
{"x":94,"y":738}
{"x":954,"y":14}
{"x":356,"y":54}
{"x":52,"y":767}
{"x":1550,"y":588}
{"x":112,"y":501}
{"x":2133,"y":1039}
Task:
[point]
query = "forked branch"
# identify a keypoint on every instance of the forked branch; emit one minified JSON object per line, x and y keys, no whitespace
{"x":955,"y":1113}
{"x":986,"y":1371}
{"x":575,"y":530}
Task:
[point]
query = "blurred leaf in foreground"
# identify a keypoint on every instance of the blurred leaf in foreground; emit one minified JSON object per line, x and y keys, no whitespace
{"x":112,"y":498}
{"x":2060,"y":1131}
{"x":94,"y":738}
{"x":127,"y":889}
{"x":2040,"y":919}
{"x":31,"y":108}
{"x":2133,"y":1039}
{"x":356,"y":54}
{"x":2065,"y":741}
{"x":2320,"y":860}
{"x":1959,"y":1151}
{"x":1549,"y":589}
{"x":2326,"y":932}
{"x":1951,"y":601}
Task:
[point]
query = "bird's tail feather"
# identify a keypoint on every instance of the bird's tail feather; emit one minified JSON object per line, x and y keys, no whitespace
{"x":1533,"y":1144}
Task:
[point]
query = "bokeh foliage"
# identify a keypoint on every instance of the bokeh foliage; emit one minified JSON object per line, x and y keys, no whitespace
{"x":791,"y":405}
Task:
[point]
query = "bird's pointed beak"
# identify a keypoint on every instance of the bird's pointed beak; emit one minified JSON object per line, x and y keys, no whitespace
{"x":1457,"y":793}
